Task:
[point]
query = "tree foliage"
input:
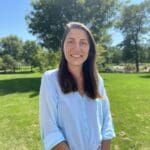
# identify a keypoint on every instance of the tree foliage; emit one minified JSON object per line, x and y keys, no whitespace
{"x":14,"y":53}
{"x":30,"y":49}
{"x":9,"y":63}
{"x":48,"y":18}
{"x":12,"y":46}
{"x":134,"y":22}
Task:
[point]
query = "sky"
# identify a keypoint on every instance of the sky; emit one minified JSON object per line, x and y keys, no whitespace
{"x":12,"y":20}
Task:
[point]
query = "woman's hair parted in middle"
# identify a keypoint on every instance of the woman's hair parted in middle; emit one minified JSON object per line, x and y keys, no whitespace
{"x":90,"y":74}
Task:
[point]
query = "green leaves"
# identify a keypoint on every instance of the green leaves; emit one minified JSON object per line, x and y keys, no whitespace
{"x":133,"y":24}
{"x":12,"y":45}
{"x":48,"y":18}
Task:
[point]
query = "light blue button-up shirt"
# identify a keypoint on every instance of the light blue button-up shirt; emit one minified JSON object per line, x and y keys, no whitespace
{"x":80,"y":121}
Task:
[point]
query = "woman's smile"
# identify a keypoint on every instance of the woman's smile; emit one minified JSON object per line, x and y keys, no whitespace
{"x":76,"y":47}
{"x":76,"y":56}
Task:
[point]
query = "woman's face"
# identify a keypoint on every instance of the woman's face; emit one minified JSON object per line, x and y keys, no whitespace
{"x":76,"y":47}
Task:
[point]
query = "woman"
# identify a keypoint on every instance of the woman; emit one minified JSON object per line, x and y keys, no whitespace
{"x":74,"y":108}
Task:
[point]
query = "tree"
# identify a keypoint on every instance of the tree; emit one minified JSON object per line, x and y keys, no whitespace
{"x":115,"y":55}
{"x":101,"y":57}
{"x":9,"y":63}
{"x":145,"y":54}
{"x":133,"y":24}
{"x":40,"y":59}
{"x":54,"y":58}
{"x":99,"y":15}
{"x":30,"y":49}
{"x":48,"y":18}
{"x":1,"y":63}
{"x":12,"y":46}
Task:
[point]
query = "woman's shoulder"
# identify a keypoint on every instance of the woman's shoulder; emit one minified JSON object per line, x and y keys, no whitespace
{"x":51,"y":73}
{"x":49,"y":77}
{"x":101,"y":84}
{"x":100,"y":79}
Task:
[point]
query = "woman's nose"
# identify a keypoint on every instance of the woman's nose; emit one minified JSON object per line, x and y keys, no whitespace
{"x":77,"y":47}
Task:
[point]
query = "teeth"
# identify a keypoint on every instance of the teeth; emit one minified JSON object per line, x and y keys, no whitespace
{"x":76,"y":56}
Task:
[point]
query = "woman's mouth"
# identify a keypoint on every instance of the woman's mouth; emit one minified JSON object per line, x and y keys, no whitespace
{"x":76,"y":56}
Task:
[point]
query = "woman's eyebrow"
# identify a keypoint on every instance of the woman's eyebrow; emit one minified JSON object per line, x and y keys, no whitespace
{"x":70,"y":38}
{"x":84,"y":39}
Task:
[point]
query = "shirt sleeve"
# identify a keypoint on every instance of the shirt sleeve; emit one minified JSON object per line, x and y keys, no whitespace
{"x":50,"y":132}
{"x":107,"y":126}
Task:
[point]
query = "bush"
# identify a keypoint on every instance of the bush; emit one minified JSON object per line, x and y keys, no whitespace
{"x":8,"y":63}
{"x":130,"y":68}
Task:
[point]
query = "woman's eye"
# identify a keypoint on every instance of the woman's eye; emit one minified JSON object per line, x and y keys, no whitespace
{"x":83,"y":43}
{"x":70,"y":42}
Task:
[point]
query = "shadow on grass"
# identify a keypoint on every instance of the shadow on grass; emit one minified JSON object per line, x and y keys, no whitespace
{"x":146,"y":76}
{"x":20,"y":85}
{"x":20,"y":72}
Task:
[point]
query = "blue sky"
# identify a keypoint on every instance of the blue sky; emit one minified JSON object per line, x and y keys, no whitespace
{"x":12,"y":20}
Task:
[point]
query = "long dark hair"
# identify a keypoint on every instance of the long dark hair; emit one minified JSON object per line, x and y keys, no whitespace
{"x":90,"y":74}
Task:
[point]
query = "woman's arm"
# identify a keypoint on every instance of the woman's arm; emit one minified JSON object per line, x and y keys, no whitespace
{"x":51,"y":134}
{"x":106,"y":145}
{"x":107,"y":126}
{"x":61,"y":146}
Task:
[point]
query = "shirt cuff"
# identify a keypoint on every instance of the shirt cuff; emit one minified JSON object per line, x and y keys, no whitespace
{"x":52,"y":140}
{"x":108,"y":136}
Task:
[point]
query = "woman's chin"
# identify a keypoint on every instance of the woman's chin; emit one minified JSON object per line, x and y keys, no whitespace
{"x":76,"y":64}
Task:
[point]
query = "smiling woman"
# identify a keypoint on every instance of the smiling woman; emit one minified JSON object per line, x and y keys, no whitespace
{"x":74,"y":108}
{"x":76,"y":47}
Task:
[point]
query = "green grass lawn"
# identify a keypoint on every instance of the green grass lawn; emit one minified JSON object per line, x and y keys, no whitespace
{"x":19,"y":125}
{"x":129,"y":96}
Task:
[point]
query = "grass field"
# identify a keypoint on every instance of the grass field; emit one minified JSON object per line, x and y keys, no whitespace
{"x":129,"y":96}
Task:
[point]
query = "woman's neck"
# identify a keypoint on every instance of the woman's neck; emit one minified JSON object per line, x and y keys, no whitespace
{"x":76,"y":71}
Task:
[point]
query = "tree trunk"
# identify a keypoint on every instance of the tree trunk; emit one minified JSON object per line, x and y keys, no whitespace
{"x":137,"y":60}
{"x":136,"y":57}
{"x":31,"y":68}
{"x":137,"y":65}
